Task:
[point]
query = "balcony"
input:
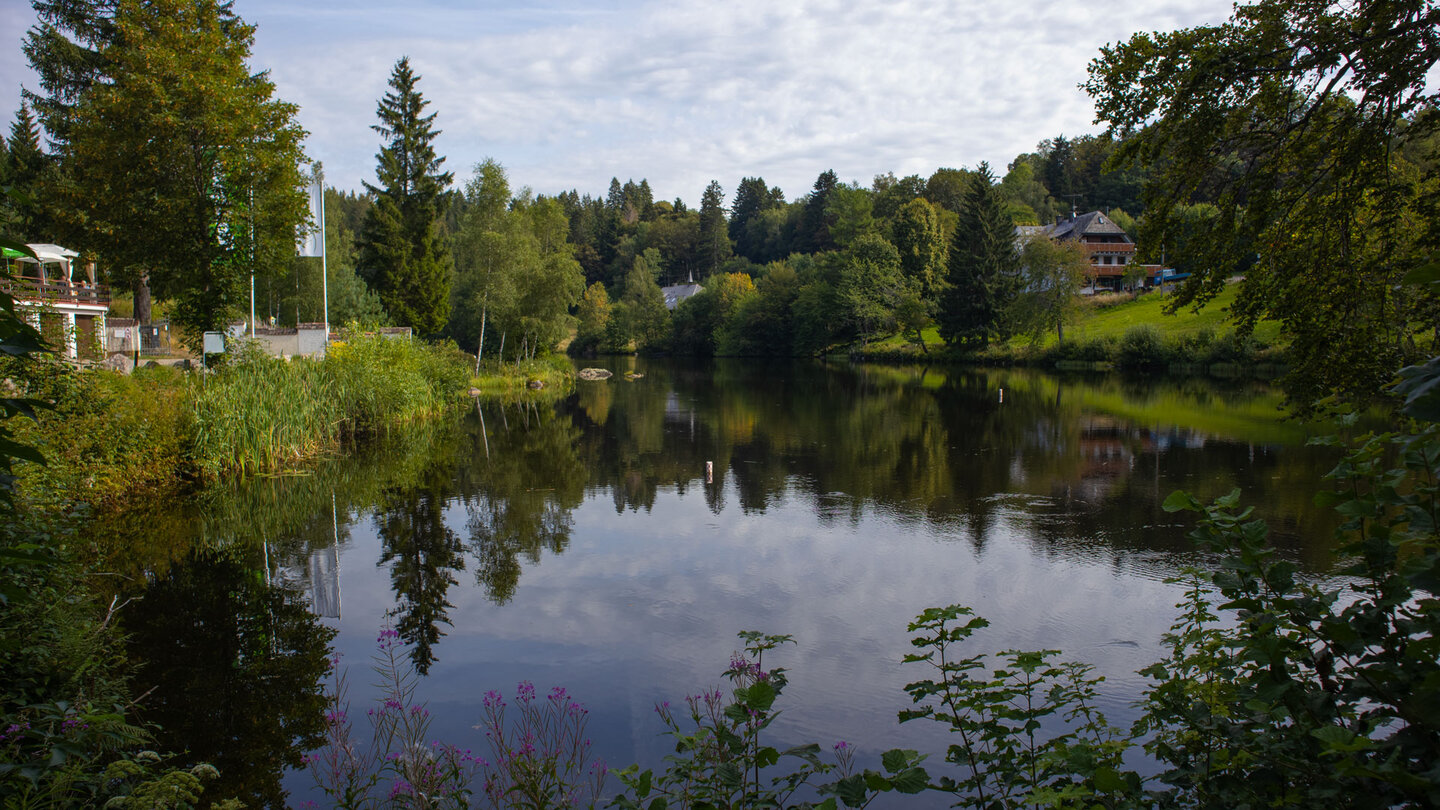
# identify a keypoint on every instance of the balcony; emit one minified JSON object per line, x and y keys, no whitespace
{"x":56,"y":293}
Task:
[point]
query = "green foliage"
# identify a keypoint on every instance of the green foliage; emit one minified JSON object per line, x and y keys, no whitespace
{"x":1142,"y":348}
{"x":1324,"y":693}
{"x":642,"y":306}
{"x":19,"y":342}
{"x":872,"y":285}
{"x":984,"y":269}
{"x":761,"y":324}
{"x":1010,"y":753}
{"x":403,"y":255}
{"x":714,"y":240}
{"x":593,"y":320}
{"x":164,"y":174}
{"x":1296,"y":121}
{"x":360,"y":387}
{"x":107,"y":438}
{"x":721,"y":760}
{"x":917,"y":236}
{"x":1049,"y":298}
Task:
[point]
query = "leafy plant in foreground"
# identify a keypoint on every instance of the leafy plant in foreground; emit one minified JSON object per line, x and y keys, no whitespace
{"x":1325,"y":693}
{"x":395,"y":768}
{"x":720,"y":760}
{"x":1029,"y":732}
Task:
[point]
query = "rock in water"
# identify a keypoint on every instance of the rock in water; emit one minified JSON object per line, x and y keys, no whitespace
{"x":594,"y":374}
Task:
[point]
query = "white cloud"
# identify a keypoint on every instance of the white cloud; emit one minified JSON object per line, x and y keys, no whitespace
{"x":567,"y":96}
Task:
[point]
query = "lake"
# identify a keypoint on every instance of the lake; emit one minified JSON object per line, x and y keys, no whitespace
{"x":583,"y":544}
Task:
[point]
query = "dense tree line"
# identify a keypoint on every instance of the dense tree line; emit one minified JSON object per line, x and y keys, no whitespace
{"x":1202,"y":164}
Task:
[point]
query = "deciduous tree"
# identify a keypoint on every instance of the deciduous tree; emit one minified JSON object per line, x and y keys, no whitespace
{"x":1049,"y":293}
{"x":1287,"y":118}
{"x":183,"y":161}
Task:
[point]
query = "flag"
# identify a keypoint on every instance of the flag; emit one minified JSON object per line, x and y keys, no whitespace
{"x":312,"y":242}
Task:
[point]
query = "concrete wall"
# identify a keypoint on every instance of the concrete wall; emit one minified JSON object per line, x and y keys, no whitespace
{"x":307,"y":341}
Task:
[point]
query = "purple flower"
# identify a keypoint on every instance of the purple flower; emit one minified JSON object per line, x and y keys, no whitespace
{"x":525,"y":691}
{"x":494,"y":700}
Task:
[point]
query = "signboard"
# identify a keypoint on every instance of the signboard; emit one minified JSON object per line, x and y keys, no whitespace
{"x":214,"y":343}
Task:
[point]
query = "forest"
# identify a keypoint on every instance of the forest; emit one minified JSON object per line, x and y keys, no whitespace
{"x":1218,"y":155}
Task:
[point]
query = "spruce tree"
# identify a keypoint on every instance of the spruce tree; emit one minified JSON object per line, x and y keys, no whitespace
{"x":67,"y":51}
{"x":24,"y":164}
{"x":714,"y":247}
{"x":403,"y":256}
{"x":814,"y":231}
{"x":983,"y":271}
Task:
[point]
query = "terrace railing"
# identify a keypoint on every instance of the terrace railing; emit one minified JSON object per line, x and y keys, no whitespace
{"x":55,"y":292}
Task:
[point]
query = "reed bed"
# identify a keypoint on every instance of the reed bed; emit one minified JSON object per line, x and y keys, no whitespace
{"x":258,"y":413}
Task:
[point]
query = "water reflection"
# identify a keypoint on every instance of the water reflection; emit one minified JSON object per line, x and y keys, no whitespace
{"x":231,"y":670}
{"x":586,"y":542}
{"x":939,"y":446}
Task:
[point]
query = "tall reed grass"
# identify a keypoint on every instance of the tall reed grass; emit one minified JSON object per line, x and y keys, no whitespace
{"x":258,"y":413}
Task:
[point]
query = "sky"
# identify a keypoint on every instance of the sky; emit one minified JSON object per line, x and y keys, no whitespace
{"x":567,"y":95}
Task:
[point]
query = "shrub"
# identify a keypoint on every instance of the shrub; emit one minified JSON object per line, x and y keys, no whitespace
{"x":1142,"y":348}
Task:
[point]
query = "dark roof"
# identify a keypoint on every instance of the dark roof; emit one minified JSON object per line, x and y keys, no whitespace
{"x":1091,"y":224}
{"x":676,"y":293}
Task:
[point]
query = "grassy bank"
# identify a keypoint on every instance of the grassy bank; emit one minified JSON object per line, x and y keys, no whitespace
{"x":108,"y":438}
{"x":257,"y":413}
{"x":1119,"y":331}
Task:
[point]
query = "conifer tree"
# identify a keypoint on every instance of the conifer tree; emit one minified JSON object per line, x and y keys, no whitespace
{"x":714,"y":247}
{"x":24,"y":162}
{"x":983,"y":270}
{"x":67,"y":51}
{"x":814,"y":235}
{"x":403,"y":256}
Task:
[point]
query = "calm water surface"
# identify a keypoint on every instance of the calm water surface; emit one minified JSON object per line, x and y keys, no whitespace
{"x":582,"y":545}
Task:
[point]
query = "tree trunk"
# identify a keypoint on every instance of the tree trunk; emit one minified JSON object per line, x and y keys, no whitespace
{"x":501,"y":355}
{"x":1059,"y":332}
{"x":480,"y":347}
{"x":142,"y":298}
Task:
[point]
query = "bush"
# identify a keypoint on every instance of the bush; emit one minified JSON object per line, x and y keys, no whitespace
{"x":1142,"y":348}
{"x":106,"y":438}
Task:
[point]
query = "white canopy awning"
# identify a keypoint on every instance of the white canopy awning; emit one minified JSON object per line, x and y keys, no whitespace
{"x":50,"y":253}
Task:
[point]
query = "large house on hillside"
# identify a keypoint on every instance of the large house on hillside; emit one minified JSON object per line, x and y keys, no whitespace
{"x":1110,"y":250}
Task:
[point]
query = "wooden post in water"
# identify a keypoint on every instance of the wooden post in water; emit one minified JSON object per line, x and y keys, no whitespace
{"x":709,"y":472}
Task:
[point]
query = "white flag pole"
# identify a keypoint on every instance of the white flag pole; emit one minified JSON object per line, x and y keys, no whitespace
{"x":324,"y":269}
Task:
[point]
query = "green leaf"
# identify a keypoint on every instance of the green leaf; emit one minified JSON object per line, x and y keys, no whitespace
{"x":760,"y":696}
{"x":1181,"y":501}
{"x":1107,"y":780}
{"x":896,"y":759}
{"x":911,"y":780}
{"x":852,"y":791}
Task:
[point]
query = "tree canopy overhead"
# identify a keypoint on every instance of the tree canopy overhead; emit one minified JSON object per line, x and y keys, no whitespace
{"x":1292,"y":119}
{"x":403,"y":255}
{"x":183,"y":162}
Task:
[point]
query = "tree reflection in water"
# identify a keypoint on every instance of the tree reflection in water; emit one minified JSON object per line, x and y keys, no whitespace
{"x":231,"y":671}
{"x":1079,"y":465}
